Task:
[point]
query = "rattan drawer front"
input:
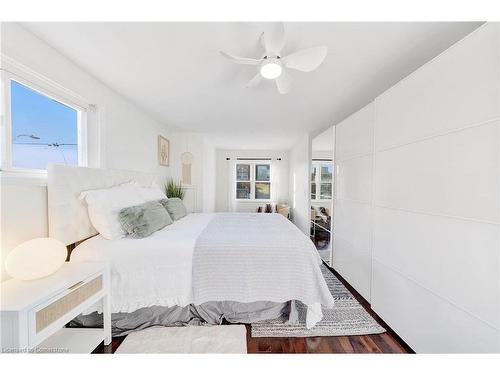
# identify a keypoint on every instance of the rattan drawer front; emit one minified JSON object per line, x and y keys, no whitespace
{"x":57,"y":309}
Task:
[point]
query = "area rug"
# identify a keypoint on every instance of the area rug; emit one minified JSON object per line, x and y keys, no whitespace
{"x":190,"y":339}
{"x":325,"y":255}
{"x":346,"y":318}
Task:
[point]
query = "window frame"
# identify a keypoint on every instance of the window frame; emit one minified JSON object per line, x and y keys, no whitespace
{"x":48,"y":89}
{"x":253,"y":180}
{"x":317,"y":181}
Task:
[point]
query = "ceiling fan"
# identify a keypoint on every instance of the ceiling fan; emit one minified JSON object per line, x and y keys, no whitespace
{"x":273,"y":65}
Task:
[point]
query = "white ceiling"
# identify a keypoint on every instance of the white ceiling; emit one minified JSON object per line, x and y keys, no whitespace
{"x":174,"y":71}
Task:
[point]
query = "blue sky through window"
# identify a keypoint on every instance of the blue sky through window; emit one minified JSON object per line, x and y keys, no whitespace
{"x":43,"y":130}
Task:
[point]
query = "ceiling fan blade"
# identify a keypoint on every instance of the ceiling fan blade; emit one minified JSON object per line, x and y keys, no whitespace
{"x":284,"y":83}
{"x":255,"y":80}
{"x":306,"y":60}
{"x":240,"y":60}
{"x":275,"y":40}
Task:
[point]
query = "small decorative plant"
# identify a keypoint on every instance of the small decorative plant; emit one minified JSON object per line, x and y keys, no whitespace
{"x":174,"y":189}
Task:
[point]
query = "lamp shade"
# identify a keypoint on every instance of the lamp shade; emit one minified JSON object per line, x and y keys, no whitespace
{"x":35,"y":259}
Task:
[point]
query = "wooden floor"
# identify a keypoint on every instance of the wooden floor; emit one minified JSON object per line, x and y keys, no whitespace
{"x":387,"y":342}
{"x":381,"y":343}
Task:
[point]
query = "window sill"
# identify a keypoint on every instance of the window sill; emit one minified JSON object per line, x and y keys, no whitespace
{"x":33,"y":178}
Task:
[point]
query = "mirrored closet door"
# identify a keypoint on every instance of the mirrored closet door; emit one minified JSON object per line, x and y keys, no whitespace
{"x":322,"y":193}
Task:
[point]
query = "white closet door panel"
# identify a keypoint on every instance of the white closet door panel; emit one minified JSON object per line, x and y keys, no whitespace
{"x":354,"y":179}
{"x":355,"y":134}
{"x":456,"y":259}
{"x":457,"y":89}
{"x":352,"y":244}
{"x":426,"y":322}
{"x":455,"y":174}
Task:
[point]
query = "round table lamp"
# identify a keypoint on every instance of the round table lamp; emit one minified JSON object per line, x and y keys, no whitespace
{"x":35,"y":259}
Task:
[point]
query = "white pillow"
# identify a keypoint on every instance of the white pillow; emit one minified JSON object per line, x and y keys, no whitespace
{"x":105,"y":204}
{"x":151,"y":193}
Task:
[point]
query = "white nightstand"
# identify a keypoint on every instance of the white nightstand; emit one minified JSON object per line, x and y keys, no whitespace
{"x":33,"y":313}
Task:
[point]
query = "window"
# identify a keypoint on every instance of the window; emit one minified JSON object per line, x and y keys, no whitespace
{"x":40,"y":129}
{"x":253,"y":181}
{"x":321,"y":181}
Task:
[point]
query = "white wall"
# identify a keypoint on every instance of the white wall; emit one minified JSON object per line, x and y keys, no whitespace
{"x":209,"y":176}
{"x":323,"y":143}
{"x":121,"y":136}
{"x":300,"y":188}
{"x":223,"y":198}
{"x":435,"y":201}
{"x":200,"y":195}
{"x":322,"y":154}
{"x":352,"y":255}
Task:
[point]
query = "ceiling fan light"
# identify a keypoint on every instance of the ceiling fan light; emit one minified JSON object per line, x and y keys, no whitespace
{"x":271,"y":70}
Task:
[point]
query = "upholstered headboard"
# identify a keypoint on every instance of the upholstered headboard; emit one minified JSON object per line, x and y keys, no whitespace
{"x":68,"y":217}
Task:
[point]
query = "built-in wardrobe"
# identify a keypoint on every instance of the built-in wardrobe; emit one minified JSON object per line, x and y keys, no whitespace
{"x":417,"y":200}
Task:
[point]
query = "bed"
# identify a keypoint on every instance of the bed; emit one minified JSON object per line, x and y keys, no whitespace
{"x":242,"y":267}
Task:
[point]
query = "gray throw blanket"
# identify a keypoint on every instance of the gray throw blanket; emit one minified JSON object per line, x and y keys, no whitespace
{"x":258,"y":257}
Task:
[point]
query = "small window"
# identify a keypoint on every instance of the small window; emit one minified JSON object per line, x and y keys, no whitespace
{"x":326,"y":173}
{"x":262,"y":181}
{"x":243,"y":190}
{"x":40,"y":130}
{"x":262,"y":172}
{"x":243,"y":172}
{"x":325,"y":191}
{"x":253,"y":181}
{"x":322,"y":180}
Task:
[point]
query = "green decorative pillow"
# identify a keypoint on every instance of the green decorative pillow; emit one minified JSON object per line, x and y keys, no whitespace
{"x":145,"y":219}
{"x":175,"y":208}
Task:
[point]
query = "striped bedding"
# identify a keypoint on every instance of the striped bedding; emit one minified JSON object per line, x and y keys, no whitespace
{"x":247,"y":257}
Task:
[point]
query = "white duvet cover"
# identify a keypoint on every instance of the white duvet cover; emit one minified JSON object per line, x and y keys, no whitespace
{"x":156,"y":270}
